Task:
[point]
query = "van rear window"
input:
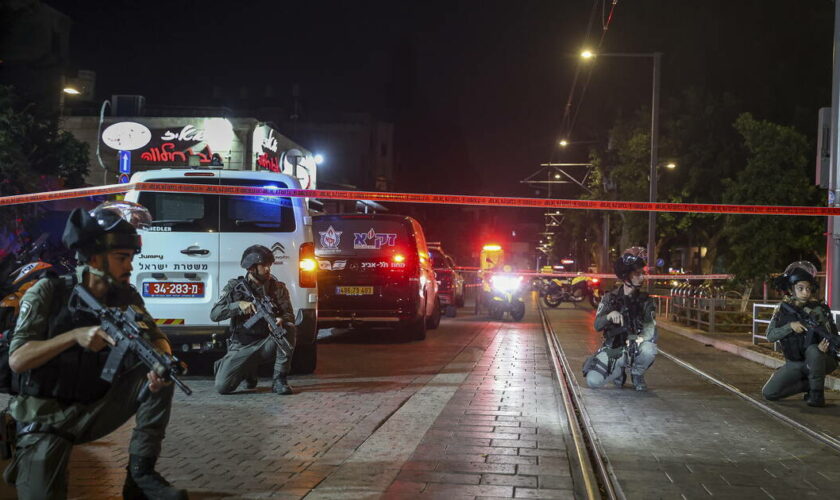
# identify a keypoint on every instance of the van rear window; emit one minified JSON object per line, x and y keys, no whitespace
{"x":365,"y":237}
{"x":230,"y":214}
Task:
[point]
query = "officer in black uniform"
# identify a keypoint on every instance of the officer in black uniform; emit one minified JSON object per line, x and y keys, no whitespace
{"x":59,"y":353}
{"x":248,"y":348}
{"x":623,"y":346}
{"x":808,"y":358}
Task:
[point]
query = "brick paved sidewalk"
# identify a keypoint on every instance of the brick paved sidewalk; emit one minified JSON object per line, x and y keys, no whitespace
{"x":502,"y":434}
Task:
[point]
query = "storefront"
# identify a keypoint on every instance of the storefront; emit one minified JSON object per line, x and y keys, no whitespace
{"x":132,"y":144}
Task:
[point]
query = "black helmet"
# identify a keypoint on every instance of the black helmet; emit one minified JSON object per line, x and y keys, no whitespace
{"x":256,"y":254}
{"x":109,"y":226}
{"x":633,"y":259}
{"x":801,"y":270}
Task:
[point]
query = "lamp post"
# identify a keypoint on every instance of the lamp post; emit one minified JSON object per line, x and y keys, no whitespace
{"x":654,"y":137}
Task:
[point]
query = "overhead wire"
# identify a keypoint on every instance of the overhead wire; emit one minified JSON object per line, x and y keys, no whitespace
{"x":605,"y":27}
{"x":569,"y":120}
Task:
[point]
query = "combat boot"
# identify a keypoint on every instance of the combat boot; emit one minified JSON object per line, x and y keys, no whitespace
{"x":281,"y":386}
{"x":620,"y":380}
{"x":639,"y":382}
{"x":816,"y":398}
{"x":143,"y":483}
{"x":251,"y":382}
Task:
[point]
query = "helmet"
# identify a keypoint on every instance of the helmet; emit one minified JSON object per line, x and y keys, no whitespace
{"x":109,"y":226}
{"x":801,"y":270}
{"x":632,"y":259}
{"x":256,"y":254}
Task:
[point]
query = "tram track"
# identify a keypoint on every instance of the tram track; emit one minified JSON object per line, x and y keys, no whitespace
{"x":593,"y":474}
{"x":590,"y":463}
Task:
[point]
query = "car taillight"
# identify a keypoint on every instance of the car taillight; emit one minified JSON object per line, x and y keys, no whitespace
{"x":399,"y":258}
{"x":595,"y":280}
{"x":308,"y":267}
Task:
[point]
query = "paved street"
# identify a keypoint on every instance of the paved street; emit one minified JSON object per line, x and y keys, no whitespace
{"x":472,"y":412}
{"x":688,"y":438}
{"x":468,"y":412}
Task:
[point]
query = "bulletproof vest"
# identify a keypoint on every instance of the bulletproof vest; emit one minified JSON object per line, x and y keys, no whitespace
{"x":259,"y":331}
{"x":615,"y":335}
{"x":74,"y":376}
{"x":794,"y":345}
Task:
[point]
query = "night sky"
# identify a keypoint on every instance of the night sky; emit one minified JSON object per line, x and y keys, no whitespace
{"x":474,"y":87}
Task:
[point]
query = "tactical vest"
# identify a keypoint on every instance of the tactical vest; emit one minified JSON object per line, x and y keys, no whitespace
{"x":615,"y":336}
{"x":259,"y":331}
{"x":74,"y":375}
{"x":794,"y":345}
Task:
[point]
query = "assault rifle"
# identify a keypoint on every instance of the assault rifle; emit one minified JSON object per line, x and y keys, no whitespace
{"x":126,"y":328}
{"x":626,"y":333}
{"x":815,"y":333}
{"x":264,"y":311}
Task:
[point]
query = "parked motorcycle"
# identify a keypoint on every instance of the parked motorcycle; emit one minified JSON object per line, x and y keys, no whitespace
{"x":578,"y":289}
{"x":19,"y":272}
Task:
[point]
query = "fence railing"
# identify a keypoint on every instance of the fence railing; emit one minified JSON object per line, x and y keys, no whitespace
{"x":711,"y":314}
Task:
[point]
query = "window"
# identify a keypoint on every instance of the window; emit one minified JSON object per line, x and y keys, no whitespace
{"x":256,"y":214}
{"x":182,"y":212}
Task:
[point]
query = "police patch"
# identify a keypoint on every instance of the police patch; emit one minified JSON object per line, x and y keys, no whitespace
{"x":23,"y":317}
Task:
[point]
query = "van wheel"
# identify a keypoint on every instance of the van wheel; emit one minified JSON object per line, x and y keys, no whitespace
{"x":304,"y":358}
{"x":434,"y":320}
{"x":451,"y":311}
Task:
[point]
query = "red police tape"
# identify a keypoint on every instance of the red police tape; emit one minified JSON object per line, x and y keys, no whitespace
{"x":606,"y":275}
{"x":443,"y":199}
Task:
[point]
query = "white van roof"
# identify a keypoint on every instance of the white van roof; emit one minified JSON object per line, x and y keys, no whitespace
{"x":151,"y":175}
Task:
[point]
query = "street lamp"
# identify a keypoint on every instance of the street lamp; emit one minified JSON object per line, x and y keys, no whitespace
{"x":654,"y":137}
{"x":564,"y":143}
{"x":670,"y":165}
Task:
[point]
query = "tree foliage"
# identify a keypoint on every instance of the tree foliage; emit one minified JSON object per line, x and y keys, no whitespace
{"x":774,"y":174}
{"x":34,"y":156}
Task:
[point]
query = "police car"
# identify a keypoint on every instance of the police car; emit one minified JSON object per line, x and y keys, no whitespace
{"x":194,"y":245}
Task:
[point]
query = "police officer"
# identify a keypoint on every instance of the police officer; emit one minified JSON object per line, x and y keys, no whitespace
{"x":59,"y":353}
{"x":250,"y":347}
{"x":609,"y":362}
{"x":807,"y":358}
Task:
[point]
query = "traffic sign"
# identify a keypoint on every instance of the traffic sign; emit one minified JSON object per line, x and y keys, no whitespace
{"x":125,"y":162}
{"x":123,"y":178}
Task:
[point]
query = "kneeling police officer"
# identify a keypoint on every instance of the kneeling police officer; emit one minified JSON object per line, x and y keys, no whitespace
{"x":626,"y":317}
{"x":248,"y":348}
{"x":59,"y":353}
{"x":808,"y":357}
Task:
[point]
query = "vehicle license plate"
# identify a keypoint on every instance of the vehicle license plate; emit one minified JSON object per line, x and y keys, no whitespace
{"x":355,"y":290}
{"x":172,"y":289}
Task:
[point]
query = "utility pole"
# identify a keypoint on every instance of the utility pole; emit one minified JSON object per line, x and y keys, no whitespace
{"x":832,"y":278}
{"x":654,"y":159}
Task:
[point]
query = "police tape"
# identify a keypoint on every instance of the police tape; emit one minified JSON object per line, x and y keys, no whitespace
{"x":442,"y":199}
{"x":607,"y":275}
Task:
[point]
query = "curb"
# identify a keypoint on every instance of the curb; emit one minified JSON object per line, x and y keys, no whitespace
{"x":831,"y":382}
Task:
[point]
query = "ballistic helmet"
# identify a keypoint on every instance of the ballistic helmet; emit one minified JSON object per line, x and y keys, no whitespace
{"x":801,"y":270}
{"x":256,"y":254}
{"x":111,"y":225}
{"x":632,"y":259}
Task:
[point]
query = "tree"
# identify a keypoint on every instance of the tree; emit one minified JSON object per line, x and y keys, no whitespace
{"x":697,"y":135}
{"x":775,"y":174}
{"x":34,"y":156}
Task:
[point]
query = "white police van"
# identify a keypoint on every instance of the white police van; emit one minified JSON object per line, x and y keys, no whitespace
{"x":194,"y":245}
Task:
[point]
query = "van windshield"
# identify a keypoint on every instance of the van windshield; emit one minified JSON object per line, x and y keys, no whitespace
{"x":181,"y":212}
{"x":362,"y":237}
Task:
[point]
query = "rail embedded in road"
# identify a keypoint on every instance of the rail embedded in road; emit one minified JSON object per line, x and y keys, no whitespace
{"x":595,"y":481}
